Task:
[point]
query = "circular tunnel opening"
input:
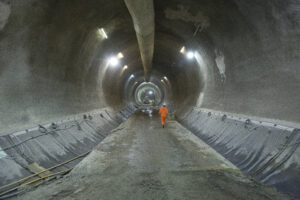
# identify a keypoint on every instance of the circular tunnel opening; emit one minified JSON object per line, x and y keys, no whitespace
{"x":62,"y":60}
{"x":148,"y":94}
{"x":65,"y":58}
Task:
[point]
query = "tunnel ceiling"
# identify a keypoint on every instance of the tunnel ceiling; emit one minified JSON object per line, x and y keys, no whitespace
{"x":54,"y":59}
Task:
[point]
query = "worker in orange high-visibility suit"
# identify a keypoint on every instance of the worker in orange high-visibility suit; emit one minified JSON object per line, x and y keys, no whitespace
{"x":163,"y":113}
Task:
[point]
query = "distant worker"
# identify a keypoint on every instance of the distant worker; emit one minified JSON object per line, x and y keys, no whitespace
{"x":163,"y":113}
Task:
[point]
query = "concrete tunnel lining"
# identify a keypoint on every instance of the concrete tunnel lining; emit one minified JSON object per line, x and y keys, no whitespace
{"x":53,"y":75}
{"x":142,"y":13}
{"x":144,"y":88}
{"x":53,"y":63}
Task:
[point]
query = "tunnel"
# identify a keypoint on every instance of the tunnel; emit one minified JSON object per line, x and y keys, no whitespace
{"x":81,"y":80}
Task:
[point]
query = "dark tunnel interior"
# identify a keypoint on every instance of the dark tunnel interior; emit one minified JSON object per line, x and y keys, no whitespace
{"x":54,"y":58}
{"x":60,"y":58}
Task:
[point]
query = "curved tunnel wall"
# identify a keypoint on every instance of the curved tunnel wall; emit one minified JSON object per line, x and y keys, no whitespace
{"x":54,"y":61}
{"x":258,"y":43}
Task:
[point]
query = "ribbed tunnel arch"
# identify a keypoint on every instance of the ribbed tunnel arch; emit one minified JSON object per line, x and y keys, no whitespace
{"x":61,"y":58}
{"x":148,"y":94}
{"x":60,"y":66}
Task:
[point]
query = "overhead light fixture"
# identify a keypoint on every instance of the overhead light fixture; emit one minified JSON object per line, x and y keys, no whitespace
{"x":131,"y":76}
{"x":102,"y":32}
{"x":120,"y":55}
{"x":125,"y":67}
{"x":150,"y":92}
{"x":183,"y":50}
{"x":113,"y":61}
{"x":190,"y":55}
{"x":165,"y":78}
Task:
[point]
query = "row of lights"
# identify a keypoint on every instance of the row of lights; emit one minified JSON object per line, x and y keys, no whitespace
{"x":189,"y":54}
{"x":115,"y":60}
{"x":164,"y":78}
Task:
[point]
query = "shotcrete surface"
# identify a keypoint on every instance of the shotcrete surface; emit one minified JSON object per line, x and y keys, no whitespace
{"x":141,"y":160}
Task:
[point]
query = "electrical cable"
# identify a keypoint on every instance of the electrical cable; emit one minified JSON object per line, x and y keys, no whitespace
{"x":43,"y":130}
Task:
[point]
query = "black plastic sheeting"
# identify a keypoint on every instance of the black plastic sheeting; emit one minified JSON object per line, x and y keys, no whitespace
{"x":267,"y":152}
{"x":55,"y":143}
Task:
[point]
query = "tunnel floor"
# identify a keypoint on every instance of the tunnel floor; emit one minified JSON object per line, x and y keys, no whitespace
{"x":141,"y":160}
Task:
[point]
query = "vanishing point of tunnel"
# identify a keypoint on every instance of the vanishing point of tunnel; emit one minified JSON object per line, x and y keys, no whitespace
{"x":82,"y":83}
